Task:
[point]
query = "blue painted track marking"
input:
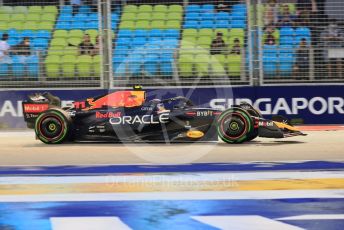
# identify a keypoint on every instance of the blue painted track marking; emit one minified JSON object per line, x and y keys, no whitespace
{"x":197,"y":167}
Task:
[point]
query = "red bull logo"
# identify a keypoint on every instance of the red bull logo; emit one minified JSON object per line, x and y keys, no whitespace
{"x":100,"y":115}
{"x":117,"y":99}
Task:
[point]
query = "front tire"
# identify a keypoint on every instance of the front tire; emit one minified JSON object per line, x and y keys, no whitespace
{"x":234,"y":125}
{"x":53,"y":126}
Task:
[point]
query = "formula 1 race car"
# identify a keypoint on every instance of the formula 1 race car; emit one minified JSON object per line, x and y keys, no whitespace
{"x":126,"y":116}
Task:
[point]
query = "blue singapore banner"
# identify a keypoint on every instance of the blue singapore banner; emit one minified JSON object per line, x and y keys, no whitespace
{"x":313,"y":104}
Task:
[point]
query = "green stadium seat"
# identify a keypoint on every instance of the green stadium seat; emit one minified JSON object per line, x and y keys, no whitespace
{"x":130,"y":9}
{"x":143,"y":16}
{"x":52,"y":66}
{"x":71,"y":50}
{"x":160,"y":8}
{"x":204,"y":42}
{"x":18,"y":17}
{"x":190,"y":39}
{"x":128,"y":17}
{"x":186,"y":65}
{"x":190,"y":32}
{"x":74,"y":41}
{"x":76,"y":34}
{"x":217,"y":64}
{"x":58,"y":42}
{"x":173,"y":24}
{"x":206,"y":33}
{"x":20,"y":10}
{"x":60,"y":34}
{"x":174,"y":16}
{"x":234,"y":64}
{"x":127,"y":25}
{"x":96,"y":65}
{"x":45,"y":26}
{"x":144,"y":24}
{"x":4,"y":25}
{"x":237,"y":33}
{"x":6,"y":9}
{"x":187,"y":48}
{"x":202,"y":65}
{"x":93,"y":33}
{"x":175,"y":8}
{"x":48,"y":17}
{"x":68,"y":65}
{"x":158,"y":16}
{"x":144,"y":8}
{"x":56,"y":50}
{"x":35,"y":9}
{"x":33,"y":17}
{"x":4,"y":18}
{"x":50,"y":9}
{"x":18,"y":25}
{"x":84,"y":65}
{"x":158,"y":24}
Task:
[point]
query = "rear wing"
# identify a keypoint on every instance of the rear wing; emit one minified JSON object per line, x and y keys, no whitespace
{"x":36,"y":104}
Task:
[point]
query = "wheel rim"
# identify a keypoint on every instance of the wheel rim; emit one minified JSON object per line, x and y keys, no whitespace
{"x":51,"y":127}
{"x":234,"y":126}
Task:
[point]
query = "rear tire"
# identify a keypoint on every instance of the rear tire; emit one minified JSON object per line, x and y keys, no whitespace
{"x":234,"y":125}
{"x":53,"y":126}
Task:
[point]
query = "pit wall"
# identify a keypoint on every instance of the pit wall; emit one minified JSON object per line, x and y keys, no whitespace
{"x":309,"y":104}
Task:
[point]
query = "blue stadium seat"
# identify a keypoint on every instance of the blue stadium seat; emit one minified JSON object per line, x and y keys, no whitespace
{"x":135,"y":64}
{"x":94,"y":25}
{"x":286,"y":32}
{"x":80,"y":17}
{"x":270,"y":51}
{"x":222,"y":16}
{"x":85,"y":9}
{"x":12,"y":41}
{"x":270,"y":65}
{"x":286,"y":63}
{"x":66,"y":9}
{"x":151,"y":64}
{"x":207,"y":16}
{"x":285,"y":40}
{"x":125,"y":34}
{"x":114,"y":17}
{"x":208,"y":7}
{"x":171,"y":33}
{"x":141,"y":33}
{"x":32,"y":64}
{"x":192,"y":16}
{"x":4,"y":69}
{"x":64,"y":25}
{"x":92,"y":17}
{"x":77,"y":25}
{"x":156,"y":33}
{"x":18,"y":67}
{"x":238,"y":7}
{"x":241,"y":24}
{"x":238,"y":16}
{"x":191,"y":25}
{"x":207,"y":24}
{"x":40,"y":43}
{"x":193,"y":8}
{"x":28,"y":33}
{"x":286,"y":49}
{"x":123,"y":41}
{"x":222,"y":24}
{"x":303,"y":31}
{"x":137,"y":42}
{"x":43,"y":34}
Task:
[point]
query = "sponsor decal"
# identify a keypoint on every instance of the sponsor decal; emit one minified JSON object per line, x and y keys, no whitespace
{"x":35,"y":108}
{"x":100,"y":115}
{"x":266,"y":123}
{"x":315,"y":105}
{"x":145,"y":119}
{"x":195,"y":134}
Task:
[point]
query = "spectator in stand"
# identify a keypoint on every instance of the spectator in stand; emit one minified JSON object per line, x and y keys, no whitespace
{"x":271,"y":13}
{"x":218,"y":45}
{"x":286,"y":19}
{"x":269,"y":30}
{"x":76,"y":5}
{"x":302,"y":60}
{"x":4,"y":48}
{"x":270,"y":40}
{"x":96,"y":49}
{"x":23,"y":49}
{"x":236,"y":49}
{"x":332,"y":38}
{"x":86,"y":47}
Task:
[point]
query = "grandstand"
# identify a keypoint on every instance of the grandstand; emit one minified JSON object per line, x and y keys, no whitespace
{"x":165,"y":44}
